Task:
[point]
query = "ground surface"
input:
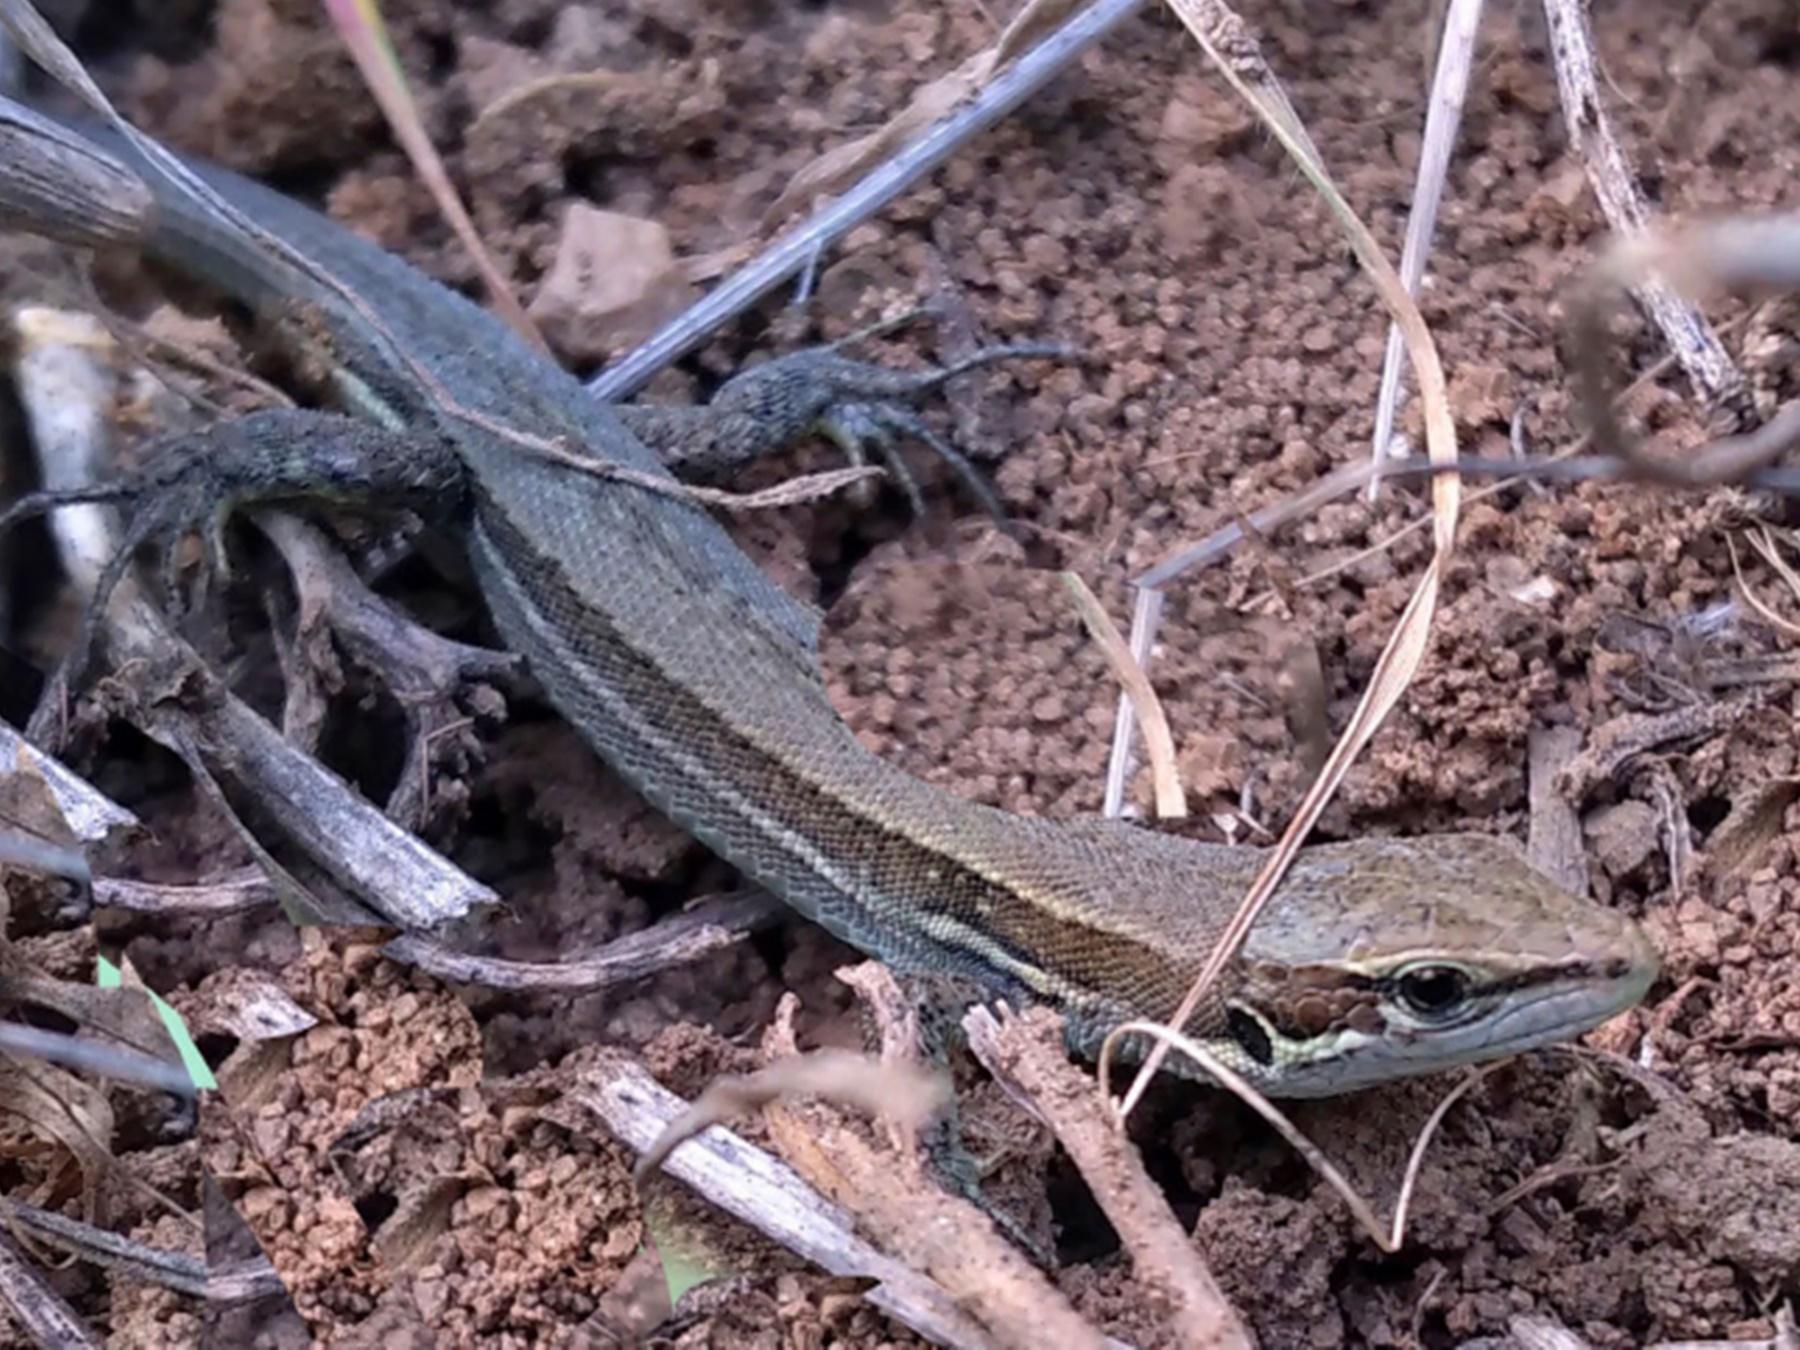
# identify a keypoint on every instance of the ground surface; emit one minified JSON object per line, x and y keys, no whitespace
{"x":1234,"y":350}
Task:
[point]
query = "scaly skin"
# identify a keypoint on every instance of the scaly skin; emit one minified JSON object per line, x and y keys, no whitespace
{"x":696,"y":678}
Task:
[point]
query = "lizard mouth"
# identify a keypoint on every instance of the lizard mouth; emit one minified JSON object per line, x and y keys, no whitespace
{"x":1563,"y":1010}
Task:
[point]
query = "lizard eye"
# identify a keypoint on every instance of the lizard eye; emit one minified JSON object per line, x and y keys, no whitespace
{"x":1433,"y":991}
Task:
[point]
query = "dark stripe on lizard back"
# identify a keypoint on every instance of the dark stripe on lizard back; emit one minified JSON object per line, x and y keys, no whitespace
{"x":889,"y":888}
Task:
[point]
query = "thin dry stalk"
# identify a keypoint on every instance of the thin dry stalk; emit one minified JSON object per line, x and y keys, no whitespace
{"x":1449,"y":87}
{"x":1765,"y":542}
{"x":1221,"y":541}
{"x":843,"y":164}
{"x":1215,"y":28}
{"x":89,"y":1056}
{"x":360,"y":25}
{"x":1389,"y":1239}
{"x":1171,"y":801}
{"x":1690,"y":338}
{"x":236,"y":1283}
{"x":1776,"y":621}
{"x":801,"y":246}
{"x":1146,"y":618}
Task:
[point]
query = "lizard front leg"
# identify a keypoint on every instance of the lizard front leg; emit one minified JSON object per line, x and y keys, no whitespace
{"x":864,"y":407}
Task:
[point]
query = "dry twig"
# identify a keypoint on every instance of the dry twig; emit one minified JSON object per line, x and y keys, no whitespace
{"x":1689,"y":337}
{"x":748,"y":1183}
{"x":91,"y":816}
{"x":1028,"y":1052}
{"x":943,"y":1235}
{"x":236,"y":1283}
{"x":705,"y":927}
{"x":37,"y":1307}
{"x":372,"y":857}
{"x":1171,"y":801}
{"x":51,"y":171}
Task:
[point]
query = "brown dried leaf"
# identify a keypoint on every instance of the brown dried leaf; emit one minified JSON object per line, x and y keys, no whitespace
{"x":65,"y":1111}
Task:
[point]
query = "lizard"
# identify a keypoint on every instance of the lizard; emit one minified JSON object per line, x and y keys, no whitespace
{"x":696,"y":678}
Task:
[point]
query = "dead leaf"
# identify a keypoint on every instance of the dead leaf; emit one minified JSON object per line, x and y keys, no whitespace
{"x":252,"y":1009}
{"x":64,"y":1110}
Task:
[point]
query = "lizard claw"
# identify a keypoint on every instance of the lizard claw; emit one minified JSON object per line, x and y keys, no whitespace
{"x":863,"y":407}
{"x":873,"y":405}
{"x":857,"y":426}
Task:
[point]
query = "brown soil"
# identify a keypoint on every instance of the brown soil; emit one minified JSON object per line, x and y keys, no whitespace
{"x":1233,"y":351}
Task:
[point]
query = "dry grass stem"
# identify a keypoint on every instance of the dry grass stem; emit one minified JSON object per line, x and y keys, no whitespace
{"x":1215,"y":28}
{"x":365,"y":36}
{"x":1388,"y":1238}
{"x":1449,"y":87}
{"x":1159,"y":743}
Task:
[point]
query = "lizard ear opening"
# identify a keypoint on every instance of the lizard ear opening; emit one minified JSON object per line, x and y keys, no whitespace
{"x":1247,"y":1029}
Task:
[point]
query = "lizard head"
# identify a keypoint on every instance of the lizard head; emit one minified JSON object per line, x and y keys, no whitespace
{"x":1389,"y":958}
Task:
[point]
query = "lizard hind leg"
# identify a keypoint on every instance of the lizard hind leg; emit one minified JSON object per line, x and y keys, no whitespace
{"x":197,"y":479}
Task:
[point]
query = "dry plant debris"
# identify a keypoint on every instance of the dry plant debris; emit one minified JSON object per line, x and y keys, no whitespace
{"x":1142,"y":212}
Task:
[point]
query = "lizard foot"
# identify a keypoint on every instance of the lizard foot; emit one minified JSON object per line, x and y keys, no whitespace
{"x":865,"y":408}
{"x":963,"y":1175}
{"x":200,"y":478}
{"x":937,"y":1002}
